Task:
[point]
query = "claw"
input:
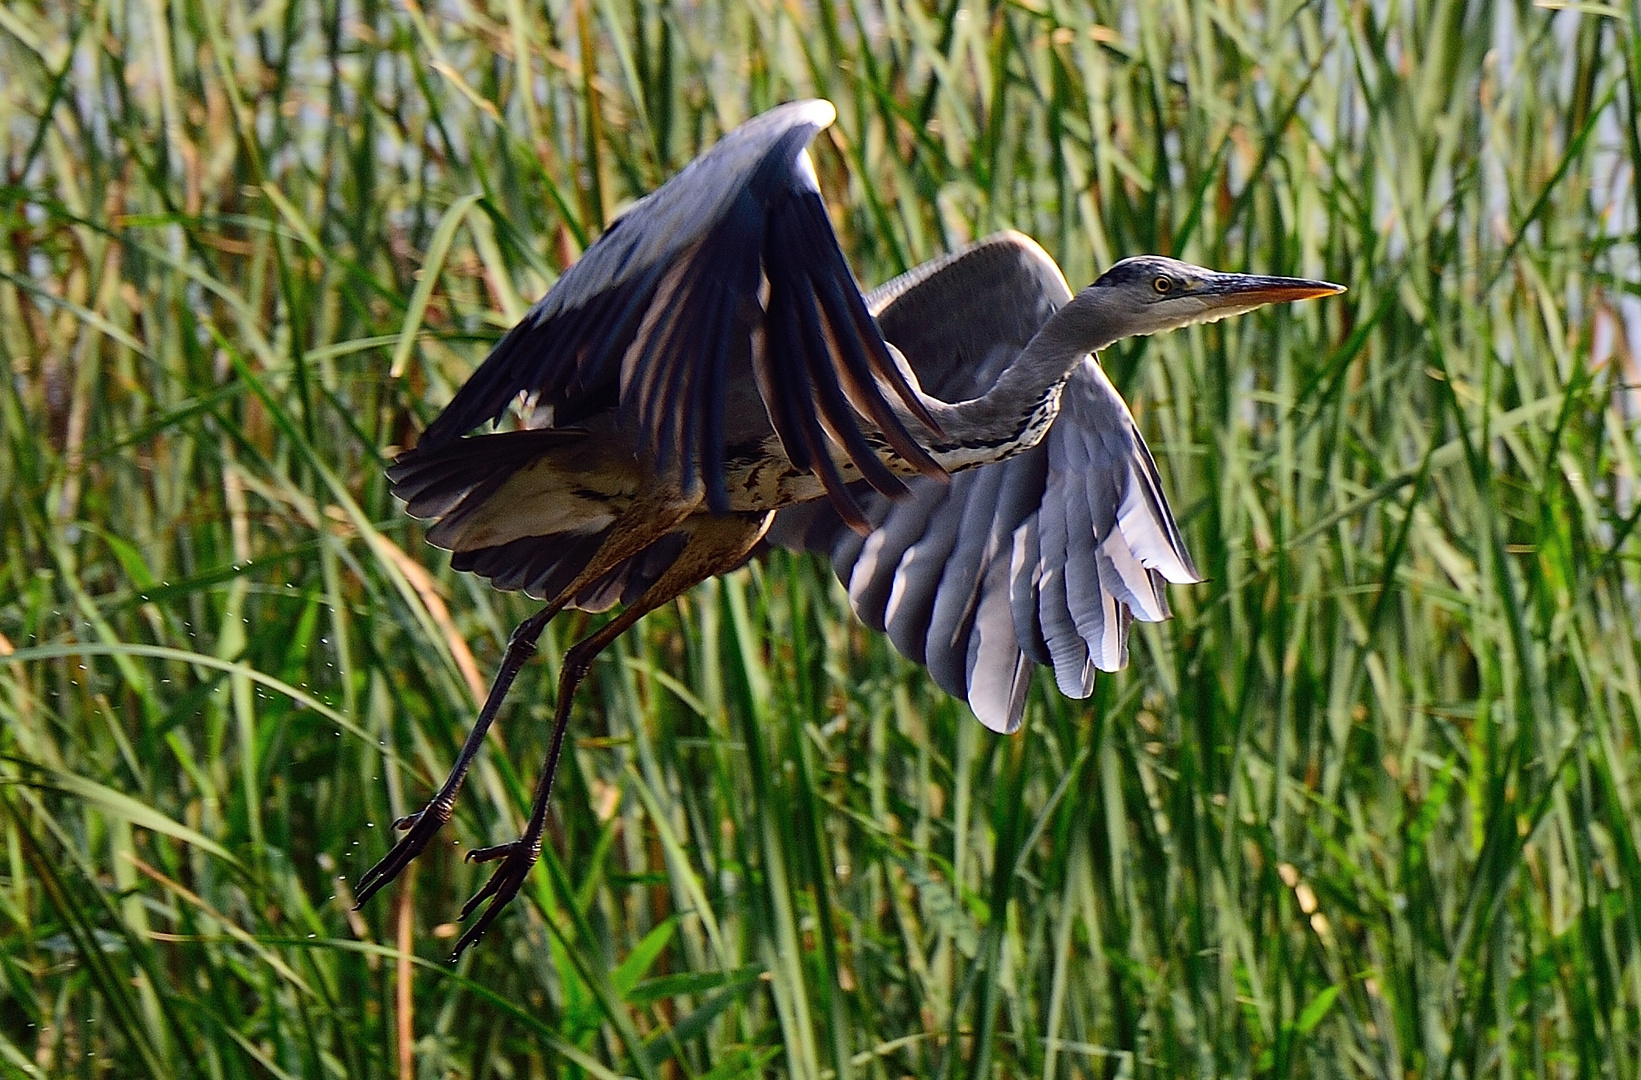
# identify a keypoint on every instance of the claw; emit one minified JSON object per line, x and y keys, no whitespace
{"x":419,"y":829}
{"x":516,"y":860}
{"x":491,"y":854}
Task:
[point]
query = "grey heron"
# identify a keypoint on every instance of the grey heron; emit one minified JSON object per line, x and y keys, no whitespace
{"x":708,"y":373}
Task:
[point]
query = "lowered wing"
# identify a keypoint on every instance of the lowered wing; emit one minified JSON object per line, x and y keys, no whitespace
{"x":1044,"y":558}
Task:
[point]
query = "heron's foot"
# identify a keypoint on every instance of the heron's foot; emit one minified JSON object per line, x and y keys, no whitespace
{"x":419,"y":829}
{"x":516,"y":860}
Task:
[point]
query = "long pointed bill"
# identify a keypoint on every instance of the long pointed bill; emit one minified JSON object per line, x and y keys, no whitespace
{"x":1244,"y":292}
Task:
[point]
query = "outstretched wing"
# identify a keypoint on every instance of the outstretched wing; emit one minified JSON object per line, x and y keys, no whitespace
{"x":660,"y":311}
{"x":1044,"y":558}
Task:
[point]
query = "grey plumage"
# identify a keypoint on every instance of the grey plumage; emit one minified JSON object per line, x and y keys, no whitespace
{"x":709,"y":367}
{"x":1063,"y":543}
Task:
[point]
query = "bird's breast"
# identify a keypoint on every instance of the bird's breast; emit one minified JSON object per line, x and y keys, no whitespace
{"x":761,"y":477}
{"x":968,"y":453}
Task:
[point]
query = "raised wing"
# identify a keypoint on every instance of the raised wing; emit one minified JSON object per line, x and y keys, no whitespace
{"x":664,"y":309}
{"x":1044,"y":558}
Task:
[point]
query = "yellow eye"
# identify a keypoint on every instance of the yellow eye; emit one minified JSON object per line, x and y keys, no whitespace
{"x":1162,"y":284}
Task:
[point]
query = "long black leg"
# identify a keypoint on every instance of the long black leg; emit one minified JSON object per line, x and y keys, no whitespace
{"x":715,"y":545}
{"x":637,"y":529}
{"x":519,"y":856}
{"x":419,"y":828}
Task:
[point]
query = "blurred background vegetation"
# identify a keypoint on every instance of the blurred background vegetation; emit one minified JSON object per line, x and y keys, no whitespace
{"x":1366,"y":807}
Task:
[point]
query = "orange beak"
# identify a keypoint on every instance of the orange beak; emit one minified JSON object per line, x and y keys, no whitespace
{"x":1256,"y":290}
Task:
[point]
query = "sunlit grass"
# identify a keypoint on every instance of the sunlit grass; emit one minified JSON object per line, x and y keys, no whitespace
{"x":1366,"y":807}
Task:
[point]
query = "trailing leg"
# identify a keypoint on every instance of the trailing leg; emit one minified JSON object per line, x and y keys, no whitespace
{"x":641,"y":526}
{"x":715,"y":545}
{"x":419,"y":828}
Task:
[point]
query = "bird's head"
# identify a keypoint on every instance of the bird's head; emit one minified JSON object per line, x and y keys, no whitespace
{"x":1153,"y":293}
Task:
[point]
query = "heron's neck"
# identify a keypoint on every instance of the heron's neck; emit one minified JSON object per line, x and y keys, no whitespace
{"x":1017,"y":411}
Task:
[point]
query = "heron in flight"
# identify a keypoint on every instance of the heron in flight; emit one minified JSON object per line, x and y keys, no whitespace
{"x":709,"y":374}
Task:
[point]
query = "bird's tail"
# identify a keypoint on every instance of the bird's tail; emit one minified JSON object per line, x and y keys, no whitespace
{"x":522,"y":509}
{"x":457,"y":478}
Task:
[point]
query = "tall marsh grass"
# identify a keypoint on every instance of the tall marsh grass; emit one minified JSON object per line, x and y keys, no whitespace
{"x":1368,"y":806}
